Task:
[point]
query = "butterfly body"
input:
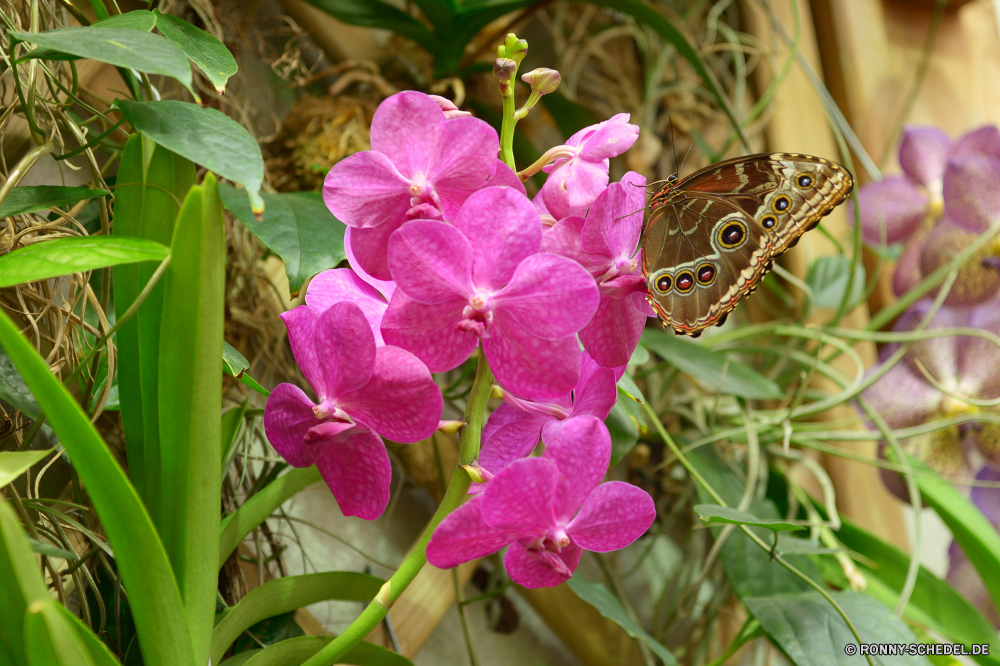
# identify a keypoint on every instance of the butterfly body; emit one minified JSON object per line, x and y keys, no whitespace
{"x":712,"y":236}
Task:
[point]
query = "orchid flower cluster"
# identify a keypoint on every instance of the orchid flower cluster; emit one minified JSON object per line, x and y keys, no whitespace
{"x":448,"y":255}
{"x":947,"y":197}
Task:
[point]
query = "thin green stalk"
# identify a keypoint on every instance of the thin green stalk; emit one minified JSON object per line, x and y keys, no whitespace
{"x":458,"y":489}
{"x":507,"y":129}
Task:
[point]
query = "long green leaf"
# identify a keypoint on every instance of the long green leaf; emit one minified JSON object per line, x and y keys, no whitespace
{"x":63,"y":256}
{"x":204,"y":136}
{"x":713,"y":514}
{"x":49,"y":639}
{"x":139,"y":553}
{"x":255,"y":510}
{"x":33,"y":198}
{"x":100,"y":655}
{"x":376,"y":14}
{"x":122,"y":47}
{"x":137,"y":19}
{"x":20,"y":584}
{"x":211,"y":55}
{"x":294,"y":651}
{"x":715,"y":370}
{"x":152,"y":182}
{"x":190,"y":400}
{"x":15,"y":463}
{"x":287,"y":594}
{"x":607,"y":605}
{"x":296,"y":226}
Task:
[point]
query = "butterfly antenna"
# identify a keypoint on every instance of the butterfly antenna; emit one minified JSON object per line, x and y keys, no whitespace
{"x":685,"y":158}
{"x":673,"y":146}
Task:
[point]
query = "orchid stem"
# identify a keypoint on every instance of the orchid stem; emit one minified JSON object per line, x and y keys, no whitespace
{"x":458,"y":489}
{"x":507,"y":129}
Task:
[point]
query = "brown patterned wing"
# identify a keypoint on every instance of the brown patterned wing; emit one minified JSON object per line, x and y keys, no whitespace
{"x":787,"y":193}
{"x":701,"y":254}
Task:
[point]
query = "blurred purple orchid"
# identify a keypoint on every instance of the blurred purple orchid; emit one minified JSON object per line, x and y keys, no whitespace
{"x":605,"y":243}
{"x":422,"y":164}
{"x":483,"y":279}
{"x":961,"y":574}
{"x":549,"y":510}
{"x":362,"y":391}
{"x":515,"y":428}
{"x":966,"y":367}
{"x":579,"y":172}
{"x":958,"y":179}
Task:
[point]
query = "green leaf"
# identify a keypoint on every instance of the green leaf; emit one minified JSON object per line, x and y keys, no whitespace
{"x":63,"y":256}
{"x":713,"y":514}
{"x":628,"y":388}
{"x":376,"y":14}
{"x":204,"y":136}
{"x":607,"y":605}
{"x":790,"y":544}
{"x":232,"y":419}
{"x":123,"y":47}
{"x":152,"y":182}
{"x":296,"y":226}
{"x":33,"y":198}
{"x":48,"y":639}
{"x":639,"y":356}
{"x":260,"y":506}
{"x":100,"y":655}
{"x":714,"y":370}
{"x":934,"y":603}
{"x":139,"y":553}
{"x":976,"y":535}
{"x":46,"y":548}
{"x":235,"y":365}
{"x":20,"y":583}
{"x":15,"y":463}
{"x":139,"y":19}
{"x":211,"y":55}
{"x":13,"y":390}
{"x":570,"y":117}
{"x":295,"y":651}
{"x":286,"y":594}
{"x":811,"y":632}
{"x":626,"y":422}
{"x":828,"y":278}
{"x":190,"y":402}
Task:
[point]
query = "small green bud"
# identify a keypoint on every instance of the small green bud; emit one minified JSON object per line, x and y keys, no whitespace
{"x":542,"y":80}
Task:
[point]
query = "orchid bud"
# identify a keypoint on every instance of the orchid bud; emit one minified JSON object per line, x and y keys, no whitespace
{"x":513,"y":48}
{"x":477,"y":473}
{"x":497,"y":392}
{"x":542,"y":80}
{"x":451,"y":427}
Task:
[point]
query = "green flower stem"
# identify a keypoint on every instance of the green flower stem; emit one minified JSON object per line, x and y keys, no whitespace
{"x":457,"y":491}
{"x":507,"y":129}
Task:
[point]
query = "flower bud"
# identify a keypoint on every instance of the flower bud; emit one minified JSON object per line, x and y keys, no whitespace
{"x":504,"y":69}
{"x":542,"y":80}
{"x":451,"y":427}
{"x":515,"y":48}
{"x":497,"y":392}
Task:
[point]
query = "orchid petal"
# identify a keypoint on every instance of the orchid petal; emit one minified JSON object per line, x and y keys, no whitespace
{"x":613,"y":333}
{"x":405,"y":126}
{"x":614,"y":222}
{"x":923,"y":153}
{"x":550,"y":296}
{"x":345,"y":348}
{"x":431,"y":262}
{"x":580,"y":447}
{"x":527,"y":365}
{"x":384,"y":287}
{"x":430,"y":332}
{"x":982,"y":141}
{"x":971,"y":196}
{"x":343,"y":284}
{"x":301,"y":325}
{"x":597,"y":391}
{"x":573,"y":187}
{"x":612,"y":517}
{"x":365,"y":190}
{"x":895,"y":202}
{"x":521,"y":498}
{"x":288,"y":416}
{"x":358,"y":474}
{"x":511,"y":441}
{"x":503,"y":230}
{"x":528,"y":572}
{"x":463,"y":536}
{"x":370,"y":249}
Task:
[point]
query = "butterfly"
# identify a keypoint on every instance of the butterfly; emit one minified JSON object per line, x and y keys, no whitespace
{"x":712,"y":236}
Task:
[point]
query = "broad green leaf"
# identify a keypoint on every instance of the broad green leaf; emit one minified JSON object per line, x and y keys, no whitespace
{"x":100,"y":655}
{"x":62,"y":256}
{"x":639,"y":356}
{"x":190,"y":401}
{"x":976,"y":535}
{"x":123,"y":47}
{"x":15,"y":463}
{"x":48,"y":639}
{"x":749,"y":568}
{"x":13,"y":390}
{"x":714,"y":370}
{"x":211,"y":55}
{"x":33,"y":198}
{"x":287,"y":594}
{"x":235,"y":365}
{"x":152,"y":182}
{"x":20,"y":583}
{"x":811,"y":632}
{"x":626,"y":423}
{"x":139,"y":553}
{"x":713,"y":514}
{"x":296,"y":226}
{"x":828,"y":278}
{"x":934,"y":603}
{"x":204,"y":136}
{"x":628,"y":387}
{"x":376,"y":14}
{"x":295,"y":651}
{"x":139,"y":19}
{"x":607,"y":605}
{"x":260,"y":506}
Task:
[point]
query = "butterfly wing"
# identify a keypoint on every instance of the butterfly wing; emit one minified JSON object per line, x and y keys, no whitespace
{"x":774,"y":197}
{"x":700,"y":256}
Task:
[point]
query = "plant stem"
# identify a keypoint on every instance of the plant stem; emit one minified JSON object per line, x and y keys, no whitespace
{"x":458,"y":489}
{"x":507,"y":129}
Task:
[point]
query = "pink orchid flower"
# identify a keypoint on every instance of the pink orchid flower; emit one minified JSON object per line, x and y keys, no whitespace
{"x":580,"y":172}
{"x":515,"y":428}
{"x":422,"y":164}
{"x":342,"y":284}
{"x":549,"y":510}
{"x":605,"y":243}
{"x":483,"y":279}
{"x":362,"y":391}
